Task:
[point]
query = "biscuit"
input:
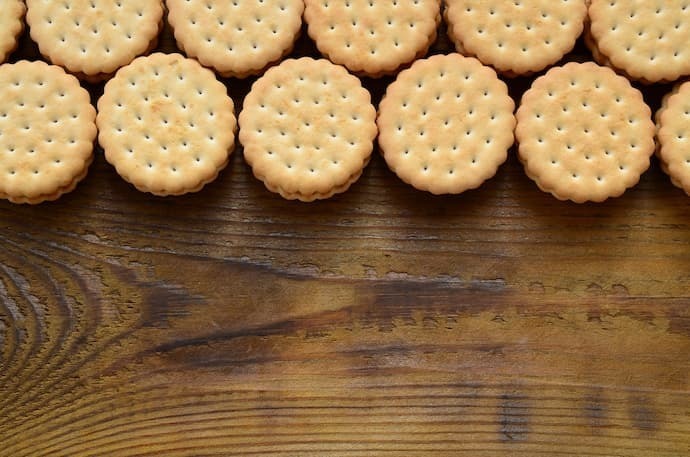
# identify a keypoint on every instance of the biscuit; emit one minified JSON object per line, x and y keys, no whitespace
{"x":47,"y":132}
{"x":93,"y":38}
{"x":584,"y":133}
{"x":446,"y":124}
{"x":372,"y":37}
{"x":515,"y":37}
{"x":11,"y":26}
{"x":307,"y":127}
{"x":237,"y":38}
{"x":594,"y":49}
{"x":673,"y":123}
{"x":645,"y":39}
{"x":602,"y":60}
{"x":166,"y":124}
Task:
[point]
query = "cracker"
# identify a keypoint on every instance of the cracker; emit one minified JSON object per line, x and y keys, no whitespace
{"x":517,"y":37}
{"x":11,"y":26}
{"x":645,"y":39}
{"x":166,"y":124}
{"x":601,"y":59}
{"x":93,"y":38}
{"x":372,"y":37}
{"x":584,"y":133}
{"x":673,"y":121}
{"x":307,"y":127}
{"x":47,"y":131}
{"x":237,"y":38}
{"x":446,"y":124}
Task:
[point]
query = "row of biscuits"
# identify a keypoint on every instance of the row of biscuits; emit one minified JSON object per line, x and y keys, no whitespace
{"x":308,"y":127}
{"x":642,"y":39}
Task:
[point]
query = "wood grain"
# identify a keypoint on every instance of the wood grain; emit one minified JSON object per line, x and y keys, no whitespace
{"x":383,"y":322}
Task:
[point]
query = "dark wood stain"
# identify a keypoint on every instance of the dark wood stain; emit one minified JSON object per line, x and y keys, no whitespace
{"x":596,"y":410}
{"x":643,"y":415}
{"x":514,"y":417}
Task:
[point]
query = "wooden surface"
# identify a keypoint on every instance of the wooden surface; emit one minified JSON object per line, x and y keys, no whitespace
{"x":383,"y":322}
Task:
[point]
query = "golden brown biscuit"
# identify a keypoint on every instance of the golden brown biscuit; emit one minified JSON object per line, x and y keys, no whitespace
{"x":372,"y":37}
{"x":446,"y":124}
{"x":517,"y":37}
{"x":307,"y":127}
{"x":584,"y":133}
{"x":645,"y":39}
{"x":93,"y":38}
{"x":166,"y":124}
{"x":11,"y":25}
{"x":673,"y":122}
{"x":47,"y":131}
{"x":237,"y":38}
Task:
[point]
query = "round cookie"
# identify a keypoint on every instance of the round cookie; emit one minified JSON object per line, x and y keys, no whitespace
{"x":166,"y":124}
{"x":47,"y":131}
{"x":594,"y":49}
{"x":11,"y":26}
{"x":307,"y":127}
{"x":601,"y":59}
{"x":645,"y":39}
{"x":673,"y":121}
{"x":517,"y":37}
{"x":237,"y":38}
{"x":372,"y":37}
{"x":584,"y":133}
{"x":93,"y":38}
{"x":446,"y":124}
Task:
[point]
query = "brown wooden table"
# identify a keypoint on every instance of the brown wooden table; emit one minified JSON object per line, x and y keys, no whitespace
{"x":382,"y":322}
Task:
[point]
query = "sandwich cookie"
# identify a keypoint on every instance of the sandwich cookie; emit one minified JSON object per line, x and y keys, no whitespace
{"x":11,"y":26}
{"x":307,"y":127}
{"x":166,"y":124}
{"x":47,"y":131}
{"x":645,"y":40}
{"x":584,"y":133}
{"x":237,"y":38}
{"x":93,"y":38}
{"x":372,"y":37}
{"x":673,"y":122}
{"x":446,"y":124}
{"x":516,"y":37}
